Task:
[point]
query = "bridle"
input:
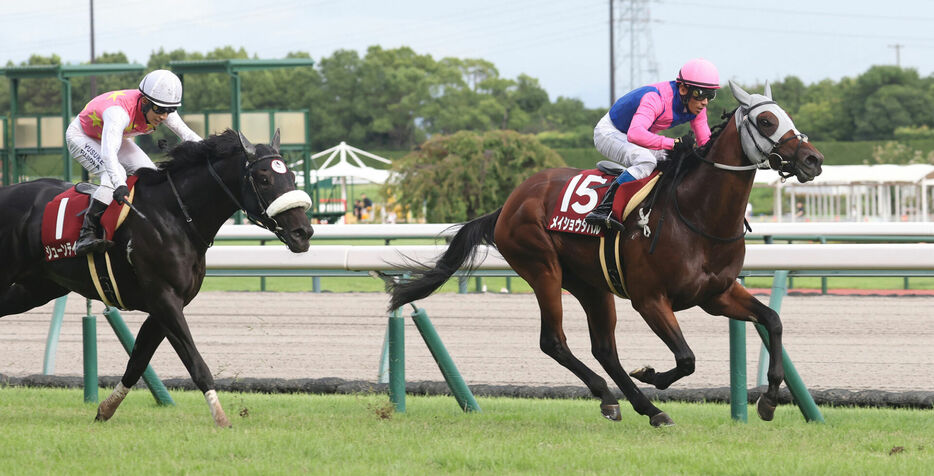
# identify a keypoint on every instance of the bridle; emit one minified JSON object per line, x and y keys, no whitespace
{"x":770,"y":159}
{"x":760,"y":148}
{"x":259,"y":217}
{"x":264,"y":212}
{"x":752,"y":138}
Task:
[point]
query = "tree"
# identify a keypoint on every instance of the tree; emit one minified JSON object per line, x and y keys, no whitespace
{"x":857,"y":93}
{"x":892,"y":106}
{"x":530,"y":96}
{"x":820,"y":120}
{"x":790,"y":93}
{"x":467,"y":174}
{"x":397,"y":84}
{"x":40,"y":95}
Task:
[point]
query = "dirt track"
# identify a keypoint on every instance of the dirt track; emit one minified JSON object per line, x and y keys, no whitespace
{"x":855,"y":343}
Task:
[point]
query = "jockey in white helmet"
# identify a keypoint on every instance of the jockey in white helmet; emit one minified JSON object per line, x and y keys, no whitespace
{"x":100,"y":138}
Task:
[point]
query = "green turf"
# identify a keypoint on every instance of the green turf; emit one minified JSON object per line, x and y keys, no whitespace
{"x":518,"y":285}
{"x":49,"y":431}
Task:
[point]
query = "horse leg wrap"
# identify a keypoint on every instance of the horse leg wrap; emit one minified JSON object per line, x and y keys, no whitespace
{"x":107,"y":408}
{"x":220,"y":418}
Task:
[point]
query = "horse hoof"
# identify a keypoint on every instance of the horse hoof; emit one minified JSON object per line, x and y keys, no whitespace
{"x":765,"y":408}
{"x":661,"y":419}
{"x":100,"y":417}
{"x":223,"y":422}
{"x":611,"y":412}
{"x":645,"y":374}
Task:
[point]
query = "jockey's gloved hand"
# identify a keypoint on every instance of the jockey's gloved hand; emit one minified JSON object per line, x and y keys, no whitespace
{"x":683,"y":144}
{"x":121,"y":193}
{"x":687,"y":140}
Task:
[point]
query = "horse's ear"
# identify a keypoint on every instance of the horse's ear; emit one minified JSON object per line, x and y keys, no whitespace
{"x":768,"y":90}
{"x":247,"y":146}
{"x":276,"y":139}
{"x":740,"y":95}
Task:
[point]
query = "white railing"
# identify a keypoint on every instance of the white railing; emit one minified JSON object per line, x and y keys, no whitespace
{"x":388,"y":258}
{"x":435,"y":230}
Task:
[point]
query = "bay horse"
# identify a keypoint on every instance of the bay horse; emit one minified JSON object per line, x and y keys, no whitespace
{"x":687,"y":262}
{"x":158,"y":256}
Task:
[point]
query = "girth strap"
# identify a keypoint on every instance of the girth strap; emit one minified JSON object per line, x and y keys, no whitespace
{"x":104,"y":281}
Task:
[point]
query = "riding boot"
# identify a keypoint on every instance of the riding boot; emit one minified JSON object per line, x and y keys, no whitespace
{"x":603,"y":214}
{"x":89,"y":240}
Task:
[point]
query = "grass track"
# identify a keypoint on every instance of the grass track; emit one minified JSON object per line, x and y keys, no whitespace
{"x":49,"y":431}
{"x":495,"y":284}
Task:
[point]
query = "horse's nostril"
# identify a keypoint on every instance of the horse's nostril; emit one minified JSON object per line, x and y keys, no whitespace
{"x":301,"y":233}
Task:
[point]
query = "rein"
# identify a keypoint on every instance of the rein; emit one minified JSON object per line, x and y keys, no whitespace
{"x":263,"y":220}
{"x":178,"y":198}
{"x":678,"y":177}
{"x":693,"y":227}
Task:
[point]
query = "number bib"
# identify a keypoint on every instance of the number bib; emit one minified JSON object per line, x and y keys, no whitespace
{"x":579,"y":198}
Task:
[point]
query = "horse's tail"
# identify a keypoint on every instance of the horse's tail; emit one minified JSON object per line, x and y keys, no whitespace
{"x":462,"y":249}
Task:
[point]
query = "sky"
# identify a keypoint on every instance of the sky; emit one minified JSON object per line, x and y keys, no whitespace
{"x":564,"y":44}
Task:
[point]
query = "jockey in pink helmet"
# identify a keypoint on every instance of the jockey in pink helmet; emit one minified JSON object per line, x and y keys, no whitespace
{"x":628,"y":132}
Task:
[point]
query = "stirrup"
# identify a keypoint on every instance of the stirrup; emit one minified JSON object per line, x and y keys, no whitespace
{"x":607,"y":222}
{"x":612,"y":224}
{"x":594,"y":219}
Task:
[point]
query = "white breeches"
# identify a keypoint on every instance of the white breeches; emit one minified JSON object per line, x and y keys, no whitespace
{"x":614,"y":145}
{"x":87,"y":151}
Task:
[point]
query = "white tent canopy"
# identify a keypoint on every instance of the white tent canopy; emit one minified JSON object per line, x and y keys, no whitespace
{"x":346,"y":170}
{"x":345,"y":164}
{"x":338,"y":165}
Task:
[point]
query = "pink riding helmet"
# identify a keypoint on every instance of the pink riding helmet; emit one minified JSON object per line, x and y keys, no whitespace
{"x":700,"y":73}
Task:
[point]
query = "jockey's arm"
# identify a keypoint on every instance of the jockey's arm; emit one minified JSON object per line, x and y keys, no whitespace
{"x":700,"y":128}
{"x":175,"y":123}
{"x":116,"y":120}
{"x":650,"y":107}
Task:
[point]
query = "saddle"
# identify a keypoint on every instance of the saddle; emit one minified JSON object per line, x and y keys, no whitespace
{"x":64,"y":214}
{"x":584,"y":191}
{"x":61,"y":224}
{"x":581,"y":194}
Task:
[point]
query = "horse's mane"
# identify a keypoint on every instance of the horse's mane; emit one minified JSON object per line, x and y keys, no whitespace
{"x":683,"y":163}
{"x":189,"y":154}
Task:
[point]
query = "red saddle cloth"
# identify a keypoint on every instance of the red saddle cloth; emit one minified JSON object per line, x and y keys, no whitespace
{"x":63,"y":217}
{"x":579,"y":198}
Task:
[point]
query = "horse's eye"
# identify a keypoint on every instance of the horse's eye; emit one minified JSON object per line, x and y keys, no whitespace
{"x":264,"y":180}
{"x":764,"y":122}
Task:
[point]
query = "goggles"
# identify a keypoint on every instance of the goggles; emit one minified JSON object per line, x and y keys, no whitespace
{"x":162,"y":110}
{"x":701,"y":93}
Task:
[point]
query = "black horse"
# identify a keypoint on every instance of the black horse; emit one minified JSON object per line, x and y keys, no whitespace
{"x":158,"y":255}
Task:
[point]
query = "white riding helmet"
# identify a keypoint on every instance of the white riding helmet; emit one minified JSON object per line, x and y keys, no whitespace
{"x":162,"y":87}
